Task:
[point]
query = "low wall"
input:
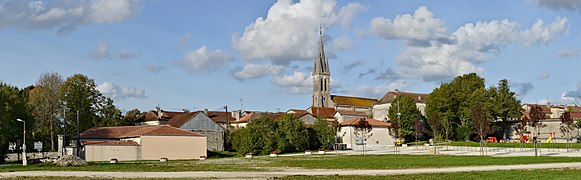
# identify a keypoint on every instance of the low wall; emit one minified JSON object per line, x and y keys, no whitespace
{"x":31,"y":155}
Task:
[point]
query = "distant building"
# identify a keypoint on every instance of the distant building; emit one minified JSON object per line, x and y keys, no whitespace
{"x":141,"y":143}
{"x":378,"y":137}
{"x":381,"y":108}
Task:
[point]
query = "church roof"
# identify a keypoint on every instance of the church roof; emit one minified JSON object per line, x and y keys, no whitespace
{"x":390,"y":97}
{"x":353,"y":101}
{"x":325,"y":112}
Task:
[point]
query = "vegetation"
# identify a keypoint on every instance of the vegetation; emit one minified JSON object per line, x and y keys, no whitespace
{"x":404,"y":125}
{"x":491,"y":175}
{"x":286,"y":134}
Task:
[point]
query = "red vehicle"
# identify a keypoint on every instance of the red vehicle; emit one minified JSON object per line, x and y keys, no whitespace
{"x":491,"y":139}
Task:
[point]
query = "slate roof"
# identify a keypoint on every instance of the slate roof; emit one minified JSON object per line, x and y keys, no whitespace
{"x":121,"y":132}
{"x":353,"y":101}
{"x":373,"y":122}
{"x":390,"y":97}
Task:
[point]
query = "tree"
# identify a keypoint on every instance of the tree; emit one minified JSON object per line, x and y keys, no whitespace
{"x":506,"y":106}
{"x":403,"y":125}
{"x":325,"y":133}
{"x":440,"y":111}
{"x":12,"y":106}
{"x":258,"y":137}
{"x":107,"y":113}
{"x":130,"y":117}
{"x":536,"y":116}
{"x":362,"y":131}
{"x":481,"y":123}
{"x":436,"y":126}
{"x":567,"y":126}
{"x":291,"y":134}
{"x":44,"y":100}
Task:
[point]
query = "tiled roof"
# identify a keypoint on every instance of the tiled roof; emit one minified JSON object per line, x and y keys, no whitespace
{"x":324,"y":112}
{"x":180,"y":119}
{"x":109,"y":143}
{"x":121,"y":132}
{"x":257,"y":115}
{"x":220,"y":116}
{"x":390,"y":97}
{"x":298,"y":112}
{"x":575,"y":115}
{"x":373,"y":122}
{"x":352,"y":113}
{"x":545,"y":108}
{"x":353,"y":101}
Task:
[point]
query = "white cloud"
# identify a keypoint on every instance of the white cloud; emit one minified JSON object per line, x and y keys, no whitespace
{"x":203,"y":59}
{"x":572,"y":95}
{"x":153,"y":68}
{"x":431,"y":53}
{"x":253,"y":71}
{"x":341,"y":43}
{"x":569,"y":5}
{"x":569,"y":53}
{"x":378,"y":90}
{"x":296,"y":83}
{"x":544,"y":76}
{"x":101,"y":52}
{"x":290,"y":30}
{"x":65,"y":16}
{"x":420,"y":26}
{"x":127,"y":54}
{"x":119,"y":93}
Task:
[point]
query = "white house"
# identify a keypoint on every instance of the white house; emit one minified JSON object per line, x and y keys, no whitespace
{"x":378,"y":137}
{"x":381,"y":109}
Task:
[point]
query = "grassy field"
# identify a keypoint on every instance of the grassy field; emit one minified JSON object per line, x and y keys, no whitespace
{"x":513,"y":145}
{"x":307,"y":162}
{"x":491,"y":175}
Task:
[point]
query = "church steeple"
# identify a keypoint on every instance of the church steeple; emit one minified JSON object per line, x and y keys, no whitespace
{"x":321,"y":77}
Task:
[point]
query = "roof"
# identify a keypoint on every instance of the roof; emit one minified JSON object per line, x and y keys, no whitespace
{"x":353,"y":101}
{"x":121,"y":132}
{"x":389,"y":97}
{"x":324,"y":112}
{"x":220,"y":116}
{"x":352,"y":113}
{"x":373,"y":122}
{"x":110,"y":143}
{"x":574,"y":108}
{"x":545,"y":108}
{"x":180,"y":119}
{"x":575,"y":115}
{"x":257,"y":115}
{"x":298,"y":112}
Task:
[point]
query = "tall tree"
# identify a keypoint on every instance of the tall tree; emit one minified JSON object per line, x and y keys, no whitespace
{"x":325,"y":132}
{"x":130,"y":117}
{"x":80,"y":96}
{"x":408,"y":114}
{"x":506,"y":106}
{"x":12,"y":107}
{"x":44,"y":101}
{"x":440,"y":110}
{"x":107,"y":113}
{"x":536,"y":116}
{"x":567,"y":126}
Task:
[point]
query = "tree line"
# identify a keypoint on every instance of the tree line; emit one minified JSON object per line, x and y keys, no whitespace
{"x":51,"y":107}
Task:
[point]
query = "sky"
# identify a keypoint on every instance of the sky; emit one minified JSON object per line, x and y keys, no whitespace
{"x":258,"y":54}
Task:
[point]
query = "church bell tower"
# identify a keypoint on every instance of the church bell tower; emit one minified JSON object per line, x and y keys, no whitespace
{"x":321,"y":77}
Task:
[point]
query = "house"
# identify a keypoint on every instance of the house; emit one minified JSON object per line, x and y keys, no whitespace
{"x":551,"y":111}
{"x":308,"y":118}
{"x":256,"y":115}
{"x":343,"y":115}
{"x":351,"y":103}
{"x":141,"y":143}
{"x":378,"y":137}
{"x":326,"y":113}
{"x":381,"y":108}
{"x":197,"y":122}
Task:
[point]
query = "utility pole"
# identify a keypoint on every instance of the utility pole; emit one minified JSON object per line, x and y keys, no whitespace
{"x":227,"y":124}
{"x":78,"y":135}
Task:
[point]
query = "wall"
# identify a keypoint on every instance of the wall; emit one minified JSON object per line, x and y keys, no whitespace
{"x":31,"y":155}
{"x":172,"y":147}
{"x":380,"y":137}
{"x":380,"y":111}
{"x":550,"y":125}
{"x":215,"y":139}
{"x":107,"y":152}
{"x":201,"y":122}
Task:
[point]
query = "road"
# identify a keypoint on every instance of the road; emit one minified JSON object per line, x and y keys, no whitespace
{"x":316,"y":172}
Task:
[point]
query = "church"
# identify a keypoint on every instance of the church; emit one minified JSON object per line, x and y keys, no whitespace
{"x":322,"y":98}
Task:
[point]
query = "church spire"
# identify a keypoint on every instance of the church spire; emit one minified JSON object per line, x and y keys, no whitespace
{"x":321,"y":77}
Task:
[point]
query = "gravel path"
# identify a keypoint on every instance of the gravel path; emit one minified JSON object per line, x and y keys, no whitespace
{"x":316,"y":172}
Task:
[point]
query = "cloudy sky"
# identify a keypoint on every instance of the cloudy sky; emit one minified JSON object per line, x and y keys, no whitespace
{"x":207,"y":54}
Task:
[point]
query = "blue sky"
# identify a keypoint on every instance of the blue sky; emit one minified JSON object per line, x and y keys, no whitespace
{"x":207,"y":54}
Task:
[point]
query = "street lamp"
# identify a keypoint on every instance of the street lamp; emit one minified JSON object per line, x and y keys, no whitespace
{"x":24,"y":161}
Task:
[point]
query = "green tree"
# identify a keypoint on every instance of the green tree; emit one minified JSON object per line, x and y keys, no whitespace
{"x":440,"y":110}
{"x":325,"y":133}
{"x":291,"y":134}
{"x":107,"y":113}
{"x":80,"y":97}
{"x":258,"y":137}
{"x":409,"y":113}
{"x":506,"y":106}
{"x":130,"y":117}
{"x":12,"y":107}
{"x":567,"y":126}
{"x":44,"y":101}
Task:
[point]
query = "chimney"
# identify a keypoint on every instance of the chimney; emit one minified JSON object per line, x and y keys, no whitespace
{"x":206,"y":111}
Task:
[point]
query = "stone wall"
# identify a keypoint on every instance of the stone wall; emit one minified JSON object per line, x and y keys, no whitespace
{"x":31,"y":155}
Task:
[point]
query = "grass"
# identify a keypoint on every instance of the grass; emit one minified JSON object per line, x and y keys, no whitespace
{"x":408,"y":161}
{"x":307,"y":162}
{"x":513,"y":145}
{"x":491,"y":175}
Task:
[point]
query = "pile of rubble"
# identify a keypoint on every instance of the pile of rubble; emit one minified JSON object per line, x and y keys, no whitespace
{"x":70,"y":160}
